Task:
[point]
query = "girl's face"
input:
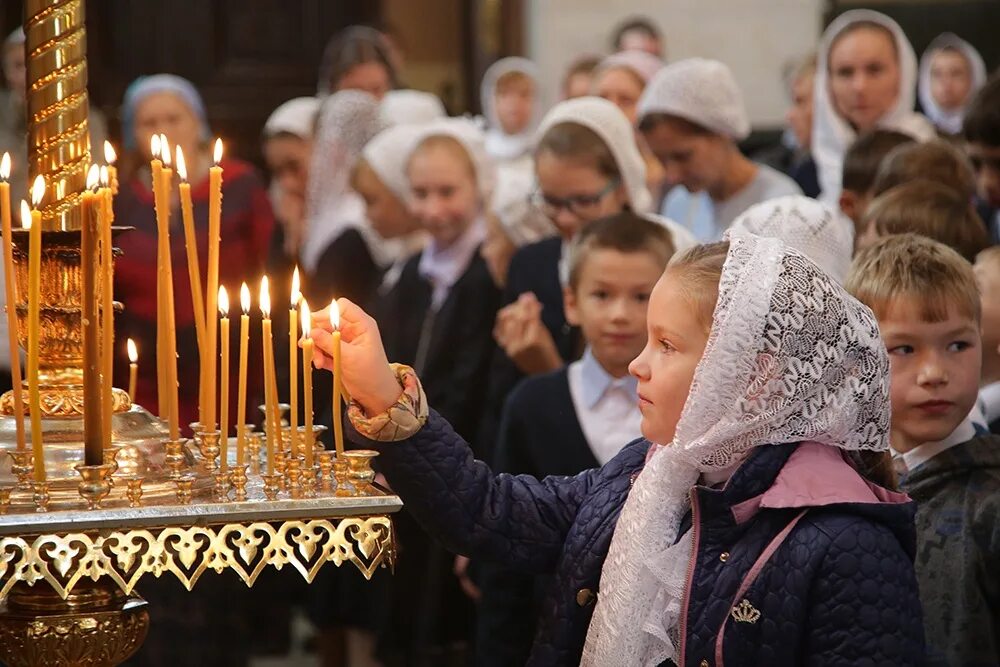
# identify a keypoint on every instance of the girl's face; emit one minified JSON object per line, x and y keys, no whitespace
{"x":388,"y":215}
{"x":620,"y":87}
{"x":695,"y":160}
{"x":445,"y":196}
{"x":287,"y":158}
{"x":951,"y":79}
{"x":665,"y":367}
{"x":573,"y":192}
{"x":166,"y":113}
{"x":864,"y":76}
{"x":371,"y":77}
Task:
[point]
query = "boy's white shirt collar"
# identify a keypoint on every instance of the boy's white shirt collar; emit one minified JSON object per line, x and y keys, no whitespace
{"x":965,"y":431}
{"x":607,"y":408}
{"x":989,"y":401}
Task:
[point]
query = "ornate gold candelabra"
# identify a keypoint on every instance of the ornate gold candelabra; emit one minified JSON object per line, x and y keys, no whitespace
{"x":68,"y":575}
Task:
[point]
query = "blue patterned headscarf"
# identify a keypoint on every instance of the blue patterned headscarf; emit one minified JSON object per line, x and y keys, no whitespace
{"x":145,"y":86}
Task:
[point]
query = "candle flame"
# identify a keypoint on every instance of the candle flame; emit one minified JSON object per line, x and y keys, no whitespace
{"x":265,"y":298}
{"x":217,"y":153}
{"x":93,"y":177}
{"x":296,"y":294}
{"x":109,"y":153}
{"x":306,"y":316}
{"x":105,"y":177}
{"x":165,"y":145}
{"x":38,"y":191}
{"x":335,"y":315}
{"x":5,"y":167}
{"x":245,"y":298}
{"x":25,"y":215}
{"x":154,"y":146}
{"x":182,"y":170}
{"x":133,"y":354}
{"x":223,"y":301}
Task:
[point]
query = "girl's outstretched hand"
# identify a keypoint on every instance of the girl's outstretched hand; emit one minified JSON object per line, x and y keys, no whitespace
{"x":366,"y":373}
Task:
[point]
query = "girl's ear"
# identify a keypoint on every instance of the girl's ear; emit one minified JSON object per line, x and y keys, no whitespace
{"x":570,"y":306}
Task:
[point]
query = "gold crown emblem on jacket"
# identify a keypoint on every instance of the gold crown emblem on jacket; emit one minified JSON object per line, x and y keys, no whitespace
{"x":745,"y":612}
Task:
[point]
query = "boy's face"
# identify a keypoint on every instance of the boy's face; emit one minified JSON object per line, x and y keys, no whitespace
{"x":935,"y":372}
{"x":515,"y":102}
{"x":986,"y":163}
{"x":609,"y":304}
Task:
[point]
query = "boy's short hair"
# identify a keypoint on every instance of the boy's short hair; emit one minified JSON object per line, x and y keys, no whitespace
{"x":936,"y":160}
{"x":634,"y":24}
{"x":865,"y":154}
{"x":932,"y":210}
{"x":982,"y":119}
{"x":510,"y":79}
{"x":626,"y":232}
{"x":918,"y":268}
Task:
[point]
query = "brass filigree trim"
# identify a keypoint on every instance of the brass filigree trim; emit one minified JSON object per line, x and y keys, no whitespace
{"x":187,"y":552}
{"x":62,"y":402}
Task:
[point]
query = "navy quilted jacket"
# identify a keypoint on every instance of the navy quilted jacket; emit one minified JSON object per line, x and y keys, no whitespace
{"x":840,"y":590}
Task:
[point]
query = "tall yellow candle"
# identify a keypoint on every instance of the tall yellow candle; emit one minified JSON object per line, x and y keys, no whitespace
{"x":241,"y":388}
{"x":173,"y":421}
{"x":270,"y":400}
{"x":307,"y":378}
{"x":191,"y":246}
{"x":133,"y":368}
{"x":10,"y":289}
{"x":110,"y":157}
{"x":93,"y":410}
{"x":33,"y":218}
{"x":156,"y":167}
{"x":293,"y":363}
{"x":224,"y":376}
{"x":105,"y":220}
{"x":211,"y":329}
{"x":338,"y":422}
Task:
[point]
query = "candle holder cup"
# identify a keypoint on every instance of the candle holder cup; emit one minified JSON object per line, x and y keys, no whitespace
{"x":133,"y":491}
{"x":271,"y":485}
{"x":325,"y":459}
{"x":185,"y":485}
{"x":175,"y":457}
{"x":359,"y":469}
{"x":22,"y":465}
{"x":208,"y":445}
{"x":40,"y":496}
{"x":5,"y":498}
{"x":96,"y":484}
{"x":341,"y":489}
{"x":239,"y":480}
{"x":221,"y":488}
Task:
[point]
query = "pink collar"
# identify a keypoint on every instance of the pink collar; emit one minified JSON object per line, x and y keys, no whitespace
{"x":816,"y":475}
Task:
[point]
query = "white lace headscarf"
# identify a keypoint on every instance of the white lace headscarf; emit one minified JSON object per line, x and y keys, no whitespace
{"x":499,"y":144}
{"x":411,"y":106}
{"x":832,"y":135}
{"x":609,"y":123}
{"x":348,"y":119}
{"x":790,"y":357}
{"x":819,"y":232}
{"x":949,"y":121}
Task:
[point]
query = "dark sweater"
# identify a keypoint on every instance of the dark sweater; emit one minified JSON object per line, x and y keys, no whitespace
{"x":958,"y":551}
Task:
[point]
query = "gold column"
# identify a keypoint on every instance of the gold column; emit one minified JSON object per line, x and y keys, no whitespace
{"x":58,"y":137}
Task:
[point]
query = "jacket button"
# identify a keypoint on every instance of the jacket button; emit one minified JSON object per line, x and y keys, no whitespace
{"x":585,"y":597}
{"x":724,"y":556}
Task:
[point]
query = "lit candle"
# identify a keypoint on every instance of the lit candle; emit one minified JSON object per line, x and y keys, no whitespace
{"x":293,"y":363}
{"x":110,"y":157}
{"x":224,"y":376}
{"x":133,"y":368}
{"x":307,"y":379}
{"x":241,"y":389}
{"x":270,"y":400}
{"x":93,"y":409}
{"x":104,"y":206}
{"x":214,"y":221}
{"x":338,"y":425}
{"x":11,"y":295}
{"x":166,"y":178}
{"x":33,"y":220}
{"x":156,"y":167}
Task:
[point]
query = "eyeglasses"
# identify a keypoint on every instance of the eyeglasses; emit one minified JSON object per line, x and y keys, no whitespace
{"x":580,"y":205}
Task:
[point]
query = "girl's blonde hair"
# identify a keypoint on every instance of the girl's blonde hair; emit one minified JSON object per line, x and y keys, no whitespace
{"x":451,"y":144}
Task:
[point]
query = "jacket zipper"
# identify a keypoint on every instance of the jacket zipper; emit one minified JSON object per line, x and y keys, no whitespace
{"x":686,"y":599}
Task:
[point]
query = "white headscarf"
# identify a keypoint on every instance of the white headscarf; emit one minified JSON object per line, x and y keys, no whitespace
{"x":468,"y":133}
{"x":499,"y":144}
{"x":609,"y":123}
{"x":387,"y":154}
{"x":296,"y":116}
{"x":819,"y":232}
{"x":644,"y":64}
{"x":790,"y":357}
{"x":832,"y":134}
{"x":348,"y":119}
{"x":949,"y":121}
{"x":700,"y":91}
{"x":411,"y":106}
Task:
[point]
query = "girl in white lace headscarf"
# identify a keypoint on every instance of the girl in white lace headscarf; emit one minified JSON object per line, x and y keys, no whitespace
{"x":951,"y":72}
{"x":838,"y":118}
{"x":511,"y":105}
{"x":790,"y":357}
